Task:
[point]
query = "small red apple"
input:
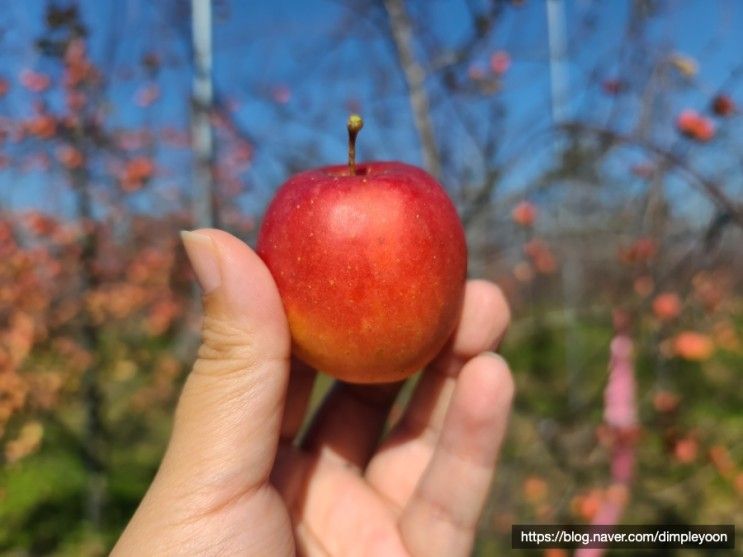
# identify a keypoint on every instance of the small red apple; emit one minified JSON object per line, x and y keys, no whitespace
{"x":723,"y":105}
{"x":370,"y":262}
{"x":667,"y":306}
{"x":695,"y":126}
{"x":524,"y":214}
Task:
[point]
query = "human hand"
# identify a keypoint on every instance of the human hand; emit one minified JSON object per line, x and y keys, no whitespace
{"x":235,"y":480}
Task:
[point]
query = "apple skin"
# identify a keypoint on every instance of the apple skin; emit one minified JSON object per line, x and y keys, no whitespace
{"x":371,"y":268}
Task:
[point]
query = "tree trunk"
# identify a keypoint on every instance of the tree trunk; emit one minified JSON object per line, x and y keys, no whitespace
{"x":93,"y":433}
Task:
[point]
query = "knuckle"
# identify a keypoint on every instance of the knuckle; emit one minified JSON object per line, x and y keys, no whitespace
{"x":225,"y":347}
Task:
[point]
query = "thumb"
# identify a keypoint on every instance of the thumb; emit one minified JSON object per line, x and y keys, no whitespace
{"x":228,"y":418}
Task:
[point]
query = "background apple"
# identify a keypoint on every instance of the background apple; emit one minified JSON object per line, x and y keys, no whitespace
{"x":370,"y":262}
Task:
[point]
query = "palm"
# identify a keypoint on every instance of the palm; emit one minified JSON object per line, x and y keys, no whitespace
{"x":337,"y":512}
{"x":336,"y":508}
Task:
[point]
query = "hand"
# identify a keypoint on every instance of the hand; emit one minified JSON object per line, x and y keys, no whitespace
{"x":234,"y":481}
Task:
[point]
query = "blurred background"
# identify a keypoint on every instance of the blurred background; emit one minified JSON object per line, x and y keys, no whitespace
{"x":593,"y":149}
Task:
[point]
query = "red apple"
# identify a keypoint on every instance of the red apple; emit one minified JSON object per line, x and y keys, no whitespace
{"x":370,"y":262}
{"x":723,"y":105}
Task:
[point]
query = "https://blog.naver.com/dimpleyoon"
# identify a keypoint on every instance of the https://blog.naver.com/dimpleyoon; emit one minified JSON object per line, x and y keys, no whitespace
{"x":639,"y":536}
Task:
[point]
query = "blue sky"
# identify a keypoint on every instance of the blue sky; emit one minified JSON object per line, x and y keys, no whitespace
{"x":325,"y":56}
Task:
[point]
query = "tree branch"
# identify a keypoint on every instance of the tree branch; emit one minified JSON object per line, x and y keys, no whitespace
{"x":402,"y":35}
{"x":705,"y":185}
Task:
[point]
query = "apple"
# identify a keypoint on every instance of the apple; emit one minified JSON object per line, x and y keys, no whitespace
{"x":370,"y":262}
{"x":723,"y":105}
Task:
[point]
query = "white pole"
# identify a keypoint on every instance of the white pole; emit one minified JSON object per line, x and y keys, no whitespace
{"x":571,"y":269}
{"x":203,"y":97}
{"x":558,"y":55}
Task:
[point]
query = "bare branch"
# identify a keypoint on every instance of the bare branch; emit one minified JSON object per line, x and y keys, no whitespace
{"x":702,"y":183}
{"x":415,"y":76}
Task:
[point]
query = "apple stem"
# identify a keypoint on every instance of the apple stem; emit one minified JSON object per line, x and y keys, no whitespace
{"x":355,"y":123}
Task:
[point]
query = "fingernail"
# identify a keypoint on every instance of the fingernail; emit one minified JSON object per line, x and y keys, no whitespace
{"x":202,"y":253}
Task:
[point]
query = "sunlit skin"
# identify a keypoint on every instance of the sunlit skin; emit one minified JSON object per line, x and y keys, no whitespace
{"x":370,"y":266}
